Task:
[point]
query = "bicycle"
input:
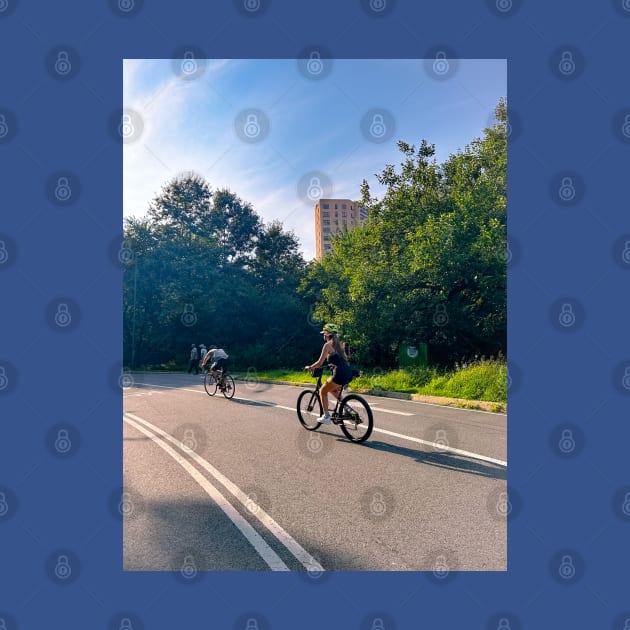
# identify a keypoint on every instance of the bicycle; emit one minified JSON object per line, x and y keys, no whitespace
{"x":352,"y":412}
{"x":219,"y":380}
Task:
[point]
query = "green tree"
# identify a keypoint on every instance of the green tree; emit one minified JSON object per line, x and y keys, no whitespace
{"x":430,"y":263}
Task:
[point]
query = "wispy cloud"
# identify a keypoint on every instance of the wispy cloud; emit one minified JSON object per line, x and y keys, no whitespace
{"x":189,"y":126}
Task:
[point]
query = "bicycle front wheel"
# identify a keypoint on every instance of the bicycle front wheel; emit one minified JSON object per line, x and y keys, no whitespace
{"x":210,"y":384}
{"x":309,"y":408}
{"x":357,"y":420}
{"x":227,"y":386}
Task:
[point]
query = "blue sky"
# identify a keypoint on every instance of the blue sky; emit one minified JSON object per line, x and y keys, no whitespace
{"x":305,"y":127}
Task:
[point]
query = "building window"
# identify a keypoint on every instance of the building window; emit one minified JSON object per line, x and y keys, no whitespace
{"x":325,"y":214}
{"x":326,"y":237}
{"x":344,"y":214}
{"x":343,"y":206}
{"x":325,"y":206}
{"x":325,"y":230}
{"x":335,"y":206}
{"x":326,"y":221}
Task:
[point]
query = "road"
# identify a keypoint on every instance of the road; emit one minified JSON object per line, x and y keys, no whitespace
{"x":216,"y":484}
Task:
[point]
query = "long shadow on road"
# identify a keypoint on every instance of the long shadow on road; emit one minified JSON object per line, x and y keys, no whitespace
{"x":449,"y":461}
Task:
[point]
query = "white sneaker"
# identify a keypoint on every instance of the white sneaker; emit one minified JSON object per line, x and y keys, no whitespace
{"x":325,"y":419}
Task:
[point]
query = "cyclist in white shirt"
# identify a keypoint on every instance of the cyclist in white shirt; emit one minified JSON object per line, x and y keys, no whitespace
{"x":219,"y":358}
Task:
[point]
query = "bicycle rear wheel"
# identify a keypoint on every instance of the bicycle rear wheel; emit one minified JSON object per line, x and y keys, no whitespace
{"x":357,"y":420}
{"x":309,"y":408}
{"x":210,"y":384}
{"x":227,"y":386}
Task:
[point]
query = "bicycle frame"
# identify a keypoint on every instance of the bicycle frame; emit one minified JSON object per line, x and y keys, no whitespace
{"x":335,"y":416}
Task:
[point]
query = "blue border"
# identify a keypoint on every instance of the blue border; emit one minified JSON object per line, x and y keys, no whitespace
{"x":568,"y":227}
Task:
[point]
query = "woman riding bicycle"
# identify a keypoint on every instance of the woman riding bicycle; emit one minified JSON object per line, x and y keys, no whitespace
{"x":341,"y":371}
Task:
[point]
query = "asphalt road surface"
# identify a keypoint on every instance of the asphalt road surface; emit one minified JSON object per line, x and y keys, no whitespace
{"x":212,"y":485}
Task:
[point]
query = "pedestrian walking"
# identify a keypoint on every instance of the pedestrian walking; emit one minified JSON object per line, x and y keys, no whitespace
{"x":194,"y":360}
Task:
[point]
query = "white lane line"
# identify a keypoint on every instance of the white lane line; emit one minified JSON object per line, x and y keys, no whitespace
{"x":437,"y":446}
{"x":398,"y":413}
{"x":272,"y":559}
{"x":305,"y":558}
{"x":443,"y":449}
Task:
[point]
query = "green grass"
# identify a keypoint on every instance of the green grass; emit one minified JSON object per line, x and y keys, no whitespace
{"x":484,"y":380}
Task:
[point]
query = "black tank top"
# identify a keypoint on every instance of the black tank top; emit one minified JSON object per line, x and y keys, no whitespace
{"x":340,"y":366}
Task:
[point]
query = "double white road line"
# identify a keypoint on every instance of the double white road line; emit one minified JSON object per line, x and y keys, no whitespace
{"x":273,"y":560}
